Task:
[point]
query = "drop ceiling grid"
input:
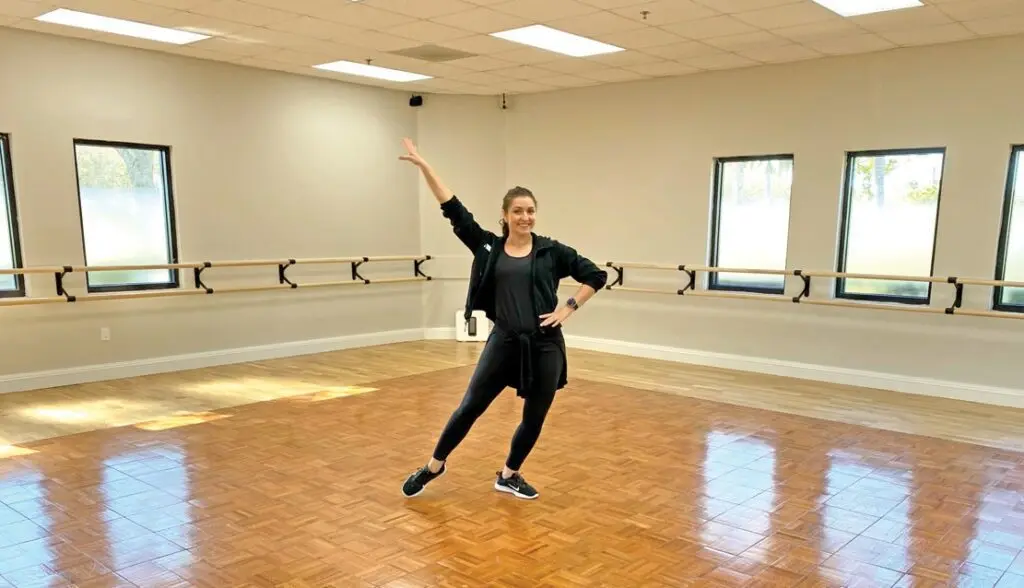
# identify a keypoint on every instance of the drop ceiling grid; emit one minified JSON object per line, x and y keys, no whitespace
{"x":661,"y":37}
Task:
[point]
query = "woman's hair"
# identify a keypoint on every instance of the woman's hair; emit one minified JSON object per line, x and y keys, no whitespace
{"x":506,"y":202}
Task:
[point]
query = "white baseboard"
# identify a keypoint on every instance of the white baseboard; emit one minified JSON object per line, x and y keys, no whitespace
{"x":1009,"y":397}
{"x":901,"y":383}
{"x":156,"y":365}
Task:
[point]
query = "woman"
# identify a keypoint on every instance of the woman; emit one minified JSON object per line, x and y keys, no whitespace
{"x":514,"y":280}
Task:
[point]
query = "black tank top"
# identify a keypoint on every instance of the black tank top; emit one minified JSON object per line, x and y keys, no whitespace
{"x":513,"y":300}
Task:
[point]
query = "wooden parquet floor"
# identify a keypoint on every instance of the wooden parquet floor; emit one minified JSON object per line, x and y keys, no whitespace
{"x":638,"y":488}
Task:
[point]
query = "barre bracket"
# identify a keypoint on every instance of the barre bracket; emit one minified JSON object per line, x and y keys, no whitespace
{"x":355,"y":270}
{"x":198,"y":278}
{"x":618,"y":278}
{"x":283,"y":279}
{"x":958,"y":297}
{"x":417,"y":270}
{"x":692,"y":274}
{"x":806,"y":292}
{"x":59,"y":279}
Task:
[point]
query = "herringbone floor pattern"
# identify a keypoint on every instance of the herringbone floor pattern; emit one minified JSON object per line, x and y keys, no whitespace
{"x":638,"y":488}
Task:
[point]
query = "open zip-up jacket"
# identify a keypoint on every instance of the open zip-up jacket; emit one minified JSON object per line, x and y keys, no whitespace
{"x":552,"y":262}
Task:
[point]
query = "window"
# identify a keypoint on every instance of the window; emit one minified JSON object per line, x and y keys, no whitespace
{"x":10,"y":242}
{"x":1010,"y":263}
{"x":127,"y":214}
{"x":750,"y":221}
{"x":889,"y":218}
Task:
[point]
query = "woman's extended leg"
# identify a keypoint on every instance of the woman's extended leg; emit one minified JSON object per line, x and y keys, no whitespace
{"x":486,"y":384}
{"x":535,"y":410}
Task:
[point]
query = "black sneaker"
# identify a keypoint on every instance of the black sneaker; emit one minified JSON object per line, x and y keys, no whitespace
{"x":515,"y":485}
{"x":419,"y":479}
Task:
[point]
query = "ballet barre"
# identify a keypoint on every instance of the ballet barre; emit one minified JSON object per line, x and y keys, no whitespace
{"x":60,"y":273}
{"x":804,"y":297}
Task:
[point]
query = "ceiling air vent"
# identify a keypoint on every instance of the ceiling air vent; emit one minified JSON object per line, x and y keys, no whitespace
{"x":433,"y":53}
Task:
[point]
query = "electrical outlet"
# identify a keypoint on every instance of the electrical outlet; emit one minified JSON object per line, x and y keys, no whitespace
{"x":104,"y":334}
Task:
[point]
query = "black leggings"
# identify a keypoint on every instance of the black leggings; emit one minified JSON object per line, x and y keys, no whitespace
{"x":499,"y":356}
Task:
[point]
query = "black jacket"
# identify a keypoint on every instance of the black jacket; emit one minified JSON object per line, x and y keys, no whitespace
{"x":552,"y":262}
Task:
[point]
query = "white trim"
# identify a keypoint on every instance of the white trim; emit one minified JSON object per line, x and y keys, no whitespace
{"x":821,"y":373}
{"x":965,"y":391}
{"x":156,"y":365}
{"x":896,"y":382}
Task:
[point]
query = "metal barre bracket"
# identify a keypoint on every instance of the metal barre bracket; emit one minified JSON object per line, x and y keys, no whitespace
{"x":692,"y":274}
{"x":417,"y":269}
{"x":355,"y":270}
{"x":198,"y":278}
{"x":958,"y":297}
{"x":59,"y":280}
{"x":618,"y":278}
{"x":283,"y":279}
{"x":806,"y":292}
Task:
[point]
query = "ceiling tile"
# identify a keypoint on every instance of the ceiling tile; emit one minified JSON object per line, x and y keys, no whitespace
{"x":543,"y":10}
{"x":612,"y":74}
{"x":522,"y":72}
{"x":23,"y":8}
{"x":662,"y":12}
{"x":313,"y":27}
{"x":483,"y":20}
{"x":354,"y":13}
{"x":780,"y":54}
{"x":428,"y":32}
{"x":721,"y":60}
{"x":639,"y":38}
{"x":787,"y":15}
{"x":572,"y":65}
{"x":238,"y":11}
{"x":747,"y":41}
{"x":421,"y":8}
{"x":735,"y":6}
{"x":565,"y":81}
{"x":481,"y":63}
{"x":706,"y":28}
{"x":663,"y":68}
{"x":862,"y":43}
{"x":924,"y":16}
{"x":947,"y":33}
{"x":1010,"y":25}
{"x":610,"y":4}
{"x":596,"y":23}
{"x":480,"y":45}
{"x":820,"y":30}
{"x":979,"y":9}
{"x":683,"y":50}
{"x":199,"y":23}
{"x":624,"y":58}
{"x":182,"y":5}
{"x":523,"y":86}
{"x":526,"y":55}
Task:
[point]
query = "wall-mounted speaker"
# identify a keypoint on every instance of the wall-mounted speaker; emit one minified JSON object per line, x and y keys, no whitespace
{"x":416,"y":101}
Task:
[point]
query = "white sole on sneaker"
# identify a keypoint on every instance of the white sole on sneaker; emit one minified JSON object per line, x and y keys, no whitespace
{"x":515,"y":493}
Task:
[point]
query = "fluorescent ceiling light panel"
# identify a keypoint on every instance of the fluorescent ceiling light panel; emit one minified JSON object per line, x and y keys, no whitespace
{"x":117,"y":26}
{"x":859,"y":7}
{"x":371,"y":71}
{"x":557,"y":41}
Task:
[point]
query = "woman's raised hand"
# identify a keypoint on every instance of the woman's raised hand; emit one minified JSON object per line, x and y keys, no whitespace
{"x":411,"y":153}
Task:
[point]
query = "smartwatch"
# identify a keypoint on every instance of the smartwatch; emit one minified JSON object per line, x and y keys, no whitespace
{"x":571,"y":303}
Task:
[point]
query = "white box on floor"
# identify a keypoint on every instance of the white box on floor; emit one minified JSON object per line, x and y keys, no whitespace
{"x":477,"y":329}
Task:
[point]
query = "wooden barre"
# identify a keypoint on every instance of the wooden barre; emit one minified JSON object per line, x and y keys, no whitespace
{"x":208,"y":264}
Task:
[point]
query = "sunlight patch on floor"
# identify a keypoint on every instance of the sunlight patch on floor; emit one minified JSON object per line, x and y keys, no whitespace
{"x":182,"y":419}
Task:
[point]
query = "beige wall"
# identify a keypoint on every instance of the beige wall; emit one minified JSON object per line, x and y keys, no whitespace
{"x":264,"y":165}
{"x":623,"y":172}
{"x":255,"y":156}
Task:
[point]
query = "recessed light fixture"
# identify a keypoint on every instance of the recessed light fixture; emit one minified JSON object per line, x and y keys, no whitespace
{"x":371,"y":71}
{"x":860,"y":7}
{"x":557,"y":41}
{"x":117,"y":26}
